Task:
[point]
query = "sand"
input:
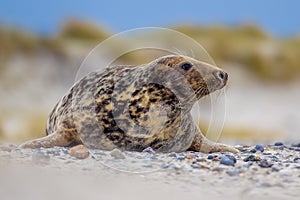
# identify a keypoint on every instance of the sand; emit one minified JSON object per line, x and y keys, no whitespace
{"x":54,"y":174}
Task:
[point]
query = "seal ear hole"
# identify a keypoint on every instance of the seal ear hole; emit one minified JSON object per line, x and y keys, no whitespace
{"x":169,"y":64}
{"x":186,"y":66}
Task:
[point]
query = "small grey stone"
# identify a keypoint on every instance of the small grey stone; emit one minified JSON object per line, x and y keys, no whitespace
{"x":180,"y":157}
{"x":296,"y":145}
{"x":149,"y":150}
{"x":198,"y":159}
{"x":172,"y":154}
{"x":264,"y":163}
{"x":278,"y":144}
{"x":195,"y":166}
{"x":267,"y":153}
{"x":227,"y":161}
{"x":253,"y":151}
{"x":117,"y":154}
{"x":251,"y":157}
{"x":211,"y":156}
{"x":259,"y":147}
{"x":165,"y":165}
{"x":296,"y":160}
{"x":274,"y":158}
{"x":248,"y":164}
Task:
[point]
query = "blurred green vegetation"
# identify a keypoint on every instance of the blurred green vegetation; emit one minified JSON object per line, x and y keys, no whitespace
{"x":269,"y":58}
{"x":248,"y":46}
{"x":75,"y":29}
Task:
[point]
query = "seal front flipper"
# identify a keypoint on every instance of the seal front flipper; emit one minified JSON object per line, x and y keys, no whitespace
{"x":202,"y":144}
{"x":58,"y":138}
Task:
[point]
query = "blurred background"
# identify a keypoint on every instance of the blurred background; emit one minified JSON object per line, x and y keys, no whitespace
{"x":43,"y":43}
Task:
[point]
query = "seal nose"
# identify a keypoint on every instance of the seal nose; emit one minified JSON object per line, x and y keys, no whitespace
{"x":222,"y":75}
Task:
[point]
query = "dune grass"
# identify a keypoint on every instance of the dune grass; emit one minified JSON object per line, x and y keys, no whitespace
{"x":79,"y":30}
{"x":268,"y":57}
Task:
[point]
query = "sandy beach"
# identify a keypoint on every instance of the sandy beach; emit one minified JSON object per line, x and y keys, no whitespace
{"x":54,"y":174}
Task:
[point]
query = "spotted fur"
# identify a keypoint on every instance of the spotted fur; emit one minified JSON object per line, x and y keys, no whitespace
{"x":135,"y":107}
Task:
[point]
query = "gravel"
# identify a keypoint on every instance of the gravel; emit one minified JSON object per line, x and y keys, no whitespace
{"x":259,"y":147}
{"x":227,"y":161}
{"x":218,"y":171}
{"x":278,"y":143}
{"x":149,"y":150}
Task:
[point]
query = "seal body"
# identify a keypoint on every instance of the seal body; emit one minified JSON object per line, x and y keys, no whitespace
{"x":135,"y":107}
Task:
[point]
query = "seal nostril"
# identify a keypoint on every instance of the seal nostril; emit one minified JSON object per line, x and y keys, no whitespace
{"x":223,"y":75}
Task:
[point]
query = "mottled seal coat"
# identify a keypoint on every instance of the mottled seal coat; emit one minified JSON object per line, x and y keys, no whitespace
{"x":135,"y":107}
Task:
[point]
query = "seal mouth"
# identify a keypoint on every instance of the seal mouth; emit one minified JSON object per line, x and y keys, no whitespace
{"x":216,"y":82}
{"x":202,"y":91}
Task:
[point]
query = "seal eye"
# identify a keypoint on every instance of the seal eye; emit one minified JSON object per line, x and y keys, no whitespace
{"x":186,"y":66}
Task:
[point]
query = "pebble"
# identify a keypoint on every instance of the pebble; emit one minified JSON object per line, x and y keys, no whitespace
{"x":273,"y":158}
{"x":297,"y":149}
{"x":253,"y":150}
{"x":149,"y":150}
{"x":172,"y":154}
{"x":196,"y":166}
{"x":79,"y":151}
{"x":248,"y":164}
{"x":204,"y":166}
{"x":259,"y":147}
{"x":252,"y":157}
{"x":117,"y":154}
{"x":268,"y":156}
{"x":165,"y":165}
{"x":180,"y":157}
{"x":199,"y":159}
{"x":210,"y":156}
{"x":190,"y":156}
{"x":227,"y":161}
{"x":264,"y":163}
{"x":278,"y":144}
{"x":296,"y":160}
{"x":232,"y":158}
{"x":296,"y":145}
{"x":267,"y":153}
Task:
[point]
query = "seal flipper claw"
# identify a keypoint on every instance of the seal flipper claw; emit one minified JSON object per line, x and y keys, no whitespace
{"x":59,"y":138}
{"x":202,"y":144}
